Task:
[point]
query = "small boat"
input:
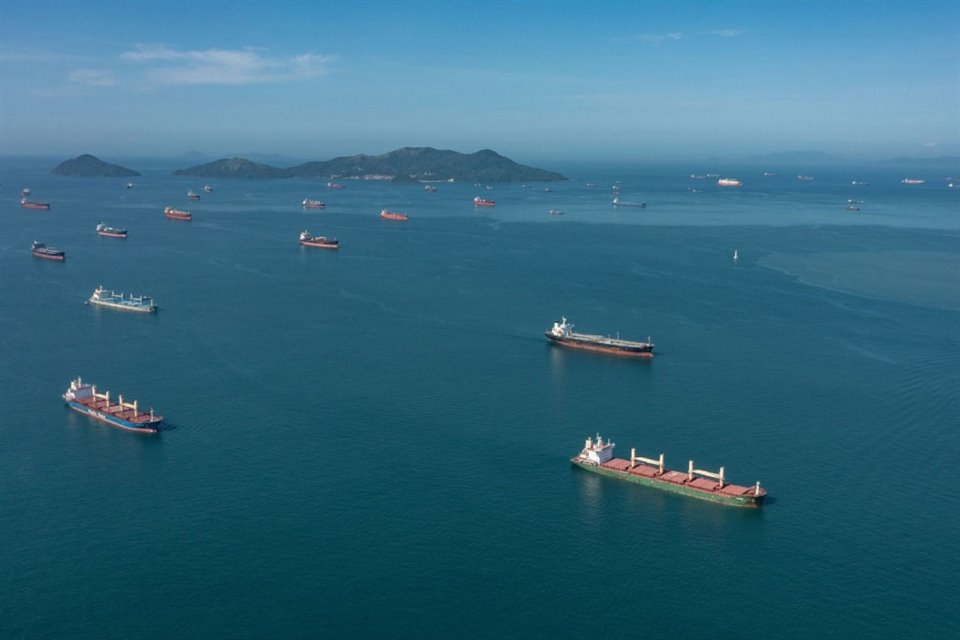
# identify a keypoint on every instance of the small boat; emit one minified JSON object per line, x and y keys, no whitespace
{"x":859,"y":183}
{"x":805,"y":178}
{"x":729,"y":182}
{"x":334,"y":185}
{"x":430,"y":188}
{"x":770,"y":174}
{"x":28,"y":204}
{"x":110,"y":232}
{"x":25,"y":192}
{"x":736,"y":255}
{"x":177,"y":214}
{"x":393,"y":215}
{"x":207,"y":188}
{"x":913,"y":181}
{"x":548,"y":190}
{"x":590,"y":185}
{"x":192,"y":196}
{"x":694,"y":176}
{"x":556,"y":212}
{"x":312,"y":204}
{"x":483,"y":202}
{"x":113,"y":300}
{"x":129,"y":185}
{"x":617,"y":202}
{"x":40,"y":250}
{"x":321,"y":242}
{"x":852,"y":207}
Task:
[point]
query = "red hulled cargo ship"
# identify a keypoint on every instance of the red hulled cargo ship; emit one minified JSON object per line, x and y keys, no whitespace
{"x":313,"y":204}
{"x":40,"y":250}
{"x":562,"y":333}
{"x":177,"y":214}
{"x":483,"y":202}
{"x":394,"y":215}
{"x":321,"y":242}
{"x":29,"y":204}
{"x":110,"y":232}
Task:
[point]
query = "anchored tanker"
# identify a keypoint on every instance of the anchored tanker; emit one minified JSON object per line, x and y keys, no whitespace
{"x":562,"y":333}
{"x":597,"y":456}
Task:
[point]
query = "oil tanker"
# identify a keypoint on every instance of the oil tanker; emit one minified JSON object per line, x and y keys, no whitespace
{"x":40,"y":250}
{"x":562,"y":333}
{"x":83,"y":398}
{"x":597,"y":456}
{"x":322,"y":242}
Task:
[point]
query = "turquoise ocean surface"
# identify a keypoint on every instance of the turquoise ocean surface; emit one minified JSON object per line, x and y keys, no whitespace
{"x":375,"y":441}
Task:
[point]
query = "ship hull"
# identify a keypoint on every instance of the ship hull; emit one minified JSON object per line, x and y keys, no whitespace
{"x":123,"y":307}
{"x":112,"y":234}
{"x":39,"y":206}
{"x":46,"y":256}
{"x":622,"y":351}
{"x":320,"y":245}
{"x":742,"y":501}
{"x":181,"y":218}
{"x":114,"y":421}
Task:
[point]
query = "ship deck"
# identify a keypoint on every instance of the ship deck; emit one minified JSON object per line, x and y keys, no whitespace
{"x":608,"y":341}
{"x":676,"y":477}
{"x":117,"y":411}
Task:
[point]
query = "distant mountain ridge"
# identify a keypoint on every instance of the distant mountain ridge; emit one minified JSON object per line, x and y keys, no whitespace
{"x":796,"y":156}
{"x":88,"y":166}
{"x":409,"y":164}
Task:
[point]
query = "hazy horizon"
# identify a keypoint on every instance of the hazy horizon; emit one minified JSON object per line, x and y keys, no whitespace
{"x":537,"y":82}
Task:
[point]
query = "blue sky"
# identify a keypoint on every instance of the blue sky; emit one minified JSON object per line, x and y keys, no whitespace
{"x":532,"y":80}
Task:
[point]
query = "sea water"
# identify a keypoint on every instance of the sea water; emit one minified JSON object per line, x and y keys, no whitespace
{"x":375,"y":441}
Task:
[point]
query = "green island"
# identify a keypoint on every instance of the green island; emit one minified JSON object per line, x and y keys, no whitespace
{"x":409,"y":164}
{"x":88,"y":166}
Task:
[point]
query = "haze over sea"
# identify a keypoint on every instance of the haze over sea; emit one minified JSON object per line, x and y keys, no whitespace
{"x":375,"y":442}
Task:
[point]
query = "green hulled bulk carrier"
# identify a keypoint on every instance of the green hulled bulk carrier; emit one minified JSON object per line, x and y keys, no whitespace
{"x":597,"y":456}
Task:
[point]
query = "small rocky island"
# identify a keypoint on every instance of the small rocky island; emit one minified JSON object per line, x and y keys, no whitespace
{"x":88,"y":166}
{"x":409,"y":164}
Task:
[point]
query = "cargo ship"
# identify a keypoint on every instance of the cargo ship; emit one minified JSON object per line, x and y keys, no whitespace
{"x":29,"y":204}
{"x":334,"y":185}
{"x":729,"y":182}
{"x":562,"y":333}
{"x":555,"y":212}
{"x":483,"y":202}
{"x":320,"y":242}
{"x":913,"y":181}
{"x":192,"y":196}
{"x":394,"y":215}
{"x":177,"y":214}
{"x":103,"y":298}
{"x":597,"y":456}
{"x":83,"y":398}
{"x":430,"y":189}
{"x":110,"y":232}
{"x":40,"y":250}
{"x":312,"y":204}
